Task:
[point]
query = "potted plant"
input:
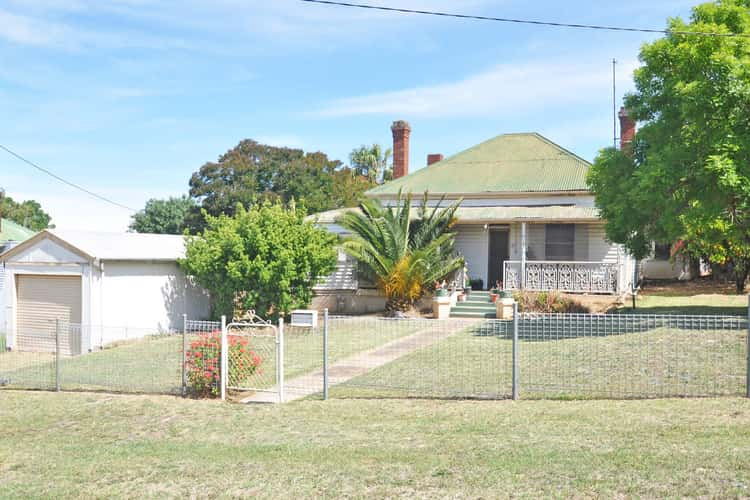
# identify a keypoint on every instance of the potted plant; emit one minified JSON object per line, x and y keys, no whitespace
{"x":477,"y":284}
{"x":467,"y":283}
{"x":441,"y":292}
{"x":493,"y":295}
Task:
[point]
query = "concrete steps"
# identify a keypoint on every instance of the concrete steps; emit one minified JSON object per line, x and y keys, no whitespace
{"x":477,"y":305}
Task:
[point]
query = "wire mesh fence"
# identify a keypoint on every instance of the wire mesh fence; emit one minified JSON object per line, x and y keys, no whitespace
{"x":147,"y":361}
{"x":631,"y":356}
{"x":419,"y":358}
{"x":556,"y":356}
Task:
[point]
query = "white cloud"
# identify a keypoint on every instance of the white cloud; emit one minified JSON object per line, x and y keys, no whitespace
{"x":222,"y":25}
{"x":506,"y":88}
{"x":29,"y":31}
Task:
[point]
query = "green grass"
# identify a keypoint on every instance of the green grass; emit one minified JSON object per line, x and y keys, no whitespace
{"x":653,"y":362}
{"x":74,"y":445}
{"x":153,"y":364}
{"x":714,"y":304}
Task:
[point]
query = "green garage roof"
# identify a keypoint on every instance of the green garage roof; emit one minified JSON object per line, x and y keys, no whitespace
{"x":10,"y":231}
{"x":509,"y":163}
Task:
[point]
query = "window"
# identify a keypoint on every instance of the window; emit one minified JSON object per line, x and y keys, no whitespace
{"x":662,"y":251}
{"x":560,"y":241}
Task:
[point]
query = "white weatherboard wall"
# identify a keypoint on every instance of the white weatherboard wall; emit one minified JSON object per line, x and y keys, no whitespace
{"x":119,"y":299}
{"x":472,"y":241}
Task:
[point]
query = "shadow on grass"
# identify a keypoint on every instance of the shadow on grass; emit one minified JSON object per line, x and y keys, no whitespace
{"x":687,"y":310}
{"x":553,"y":328}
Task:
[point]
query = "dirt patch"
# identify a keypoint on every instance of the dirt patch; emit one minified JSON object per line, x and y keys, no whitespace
{"x":597,"y":303}
{"x":674,"y":288}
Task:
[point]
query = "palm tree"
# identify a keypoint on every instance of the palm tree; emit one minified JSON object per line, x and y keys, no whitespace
{"x":404,"y":254}
{"x":372,"y":162}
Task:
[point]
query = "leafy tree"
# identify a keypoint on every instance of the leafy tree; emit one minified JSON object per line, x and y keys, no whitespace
{"x":266,"y":258}
{"x":251,"y":173}
{"x":371,"y":162}
{"x":688,"y":174}
{"x":27,"y":213}
{"x":404,"y":256}
{"x":163,"y":216}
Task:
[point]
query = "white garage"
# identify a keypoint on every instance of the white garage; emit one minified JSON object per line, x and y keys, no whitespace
{"x":106,"y":286}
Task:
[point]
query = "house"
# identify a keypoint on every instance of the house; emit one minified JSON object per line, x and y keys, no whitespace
{"x":527,"y":219}
{"x":114,"y":286}
{"x":11,"y":234}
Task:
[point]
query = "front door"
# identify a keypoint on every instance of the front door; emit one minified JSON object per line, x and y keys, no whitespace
{"x":499,"y":253}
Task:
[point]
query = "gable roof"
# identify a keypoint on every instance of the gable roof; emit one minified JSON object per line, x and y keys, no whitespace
{"x":508,"y":163}
{"x":11,"y":231}
{"x":113,"y":246}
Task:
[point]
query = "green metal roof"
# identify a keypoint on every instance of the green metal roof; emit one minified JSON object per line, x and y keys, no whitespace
{"x":10,"y":231}
{"x":509,"y":163}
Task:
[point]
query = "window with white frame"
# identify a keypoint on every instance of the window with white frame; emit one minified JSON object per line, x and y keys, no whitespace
{"x":560,"y":241}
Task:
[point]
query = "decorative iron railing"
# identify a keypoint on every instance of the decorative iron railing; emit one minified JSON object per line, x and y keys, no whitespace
{"x":563,"y":276}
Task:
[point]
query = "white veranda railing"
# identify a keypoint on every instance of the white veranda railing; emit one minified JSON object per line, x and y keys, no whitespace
{"x":563,"y":276}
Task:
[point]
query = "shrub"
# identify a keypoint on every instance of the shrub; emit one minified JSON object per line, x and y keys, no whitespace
{"x":204,"y":363}
{"x":548,"y":302}
{"x":267,"y":258}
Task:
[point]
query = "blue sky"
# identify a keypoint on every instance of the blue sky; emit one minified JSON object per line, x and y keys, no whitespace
{"x":129,"y":97}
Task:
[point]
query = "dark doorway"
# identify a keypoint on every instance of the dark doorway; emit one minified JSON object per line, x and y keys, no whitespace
{"x":499,"y":253}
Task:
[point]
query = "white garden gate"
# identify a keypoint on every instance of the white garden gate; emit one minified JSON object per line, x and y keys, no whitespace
{"x":252,"y":356}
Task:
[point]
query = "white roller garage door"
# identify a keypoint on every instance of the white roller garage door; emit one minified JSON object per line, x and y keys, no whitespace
{"x":40,"y":301}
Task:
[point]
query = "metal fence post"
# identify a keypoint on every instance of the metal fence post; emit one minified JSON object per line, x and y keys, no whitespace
{"x":325,"y":354}
{"x":57,"y":355}
{"x":515,"y":352}
{"x":747,"y":369}
{"x":224,"y":359}
{"x":184,"y":355}
{"x":280,"y":361}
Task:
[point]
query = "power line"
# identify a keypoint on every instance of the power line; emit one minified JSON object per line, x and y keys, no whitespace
{"x":525,"y":21}
{"x":71,"y":184}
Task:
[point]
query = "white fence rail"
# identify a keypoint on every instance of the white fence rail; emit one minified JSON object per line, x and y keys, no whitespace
{"x":562,"y":276}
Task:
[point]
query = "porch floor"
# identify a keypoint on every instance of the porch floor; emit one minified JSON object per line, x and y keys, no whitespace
{"x":477,"y":305}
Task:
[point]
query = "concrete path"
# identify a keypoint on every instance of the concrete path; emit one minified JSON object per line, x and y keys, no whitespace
{"x":363,"y":362}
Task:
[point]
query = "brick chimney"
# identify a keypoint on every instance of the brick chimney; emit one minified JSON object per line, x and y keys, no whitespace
{"x":401,"y":131}
{"x":434,"y":158}
{"x":627,"y":130}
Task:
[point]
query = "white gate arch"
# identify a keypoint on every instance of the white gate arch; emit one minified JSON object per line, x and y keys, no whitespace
{"x":252,"y":356}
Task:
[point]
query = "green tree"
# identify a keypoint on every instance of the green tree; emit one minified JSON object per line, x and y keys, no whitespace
{"x":266,"y":258}
{"x":28,"y":213}
{"x":371,"y":162}
{"x":163,"y":216}
{"x":688,"y":174}
{"x":251,"y":173}
{"x":404,"y":256}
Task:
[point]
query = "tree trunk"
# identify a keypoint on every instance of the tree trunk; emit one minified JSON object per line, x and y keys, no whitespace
{"x":740,"y":275}
{"x":695,"y":267}
{"x":394,"y":304}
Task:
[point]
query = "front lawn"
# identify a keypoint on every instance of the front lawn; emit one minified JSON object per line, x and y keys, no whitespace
{"x":701,"y":296}
{"x":153,"y":364}
{"x":74,"y":445}
{"x":632,"y":358}
{"x":652,"y":303}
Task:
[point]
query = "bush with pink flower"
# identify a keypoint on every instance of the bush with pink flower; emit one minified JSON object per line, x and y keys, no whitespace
{"x":204,"y":363}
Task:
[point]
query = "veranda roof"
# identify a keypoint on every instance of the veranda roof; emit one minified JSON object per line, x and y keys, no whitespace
{"x":478,"y":215}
